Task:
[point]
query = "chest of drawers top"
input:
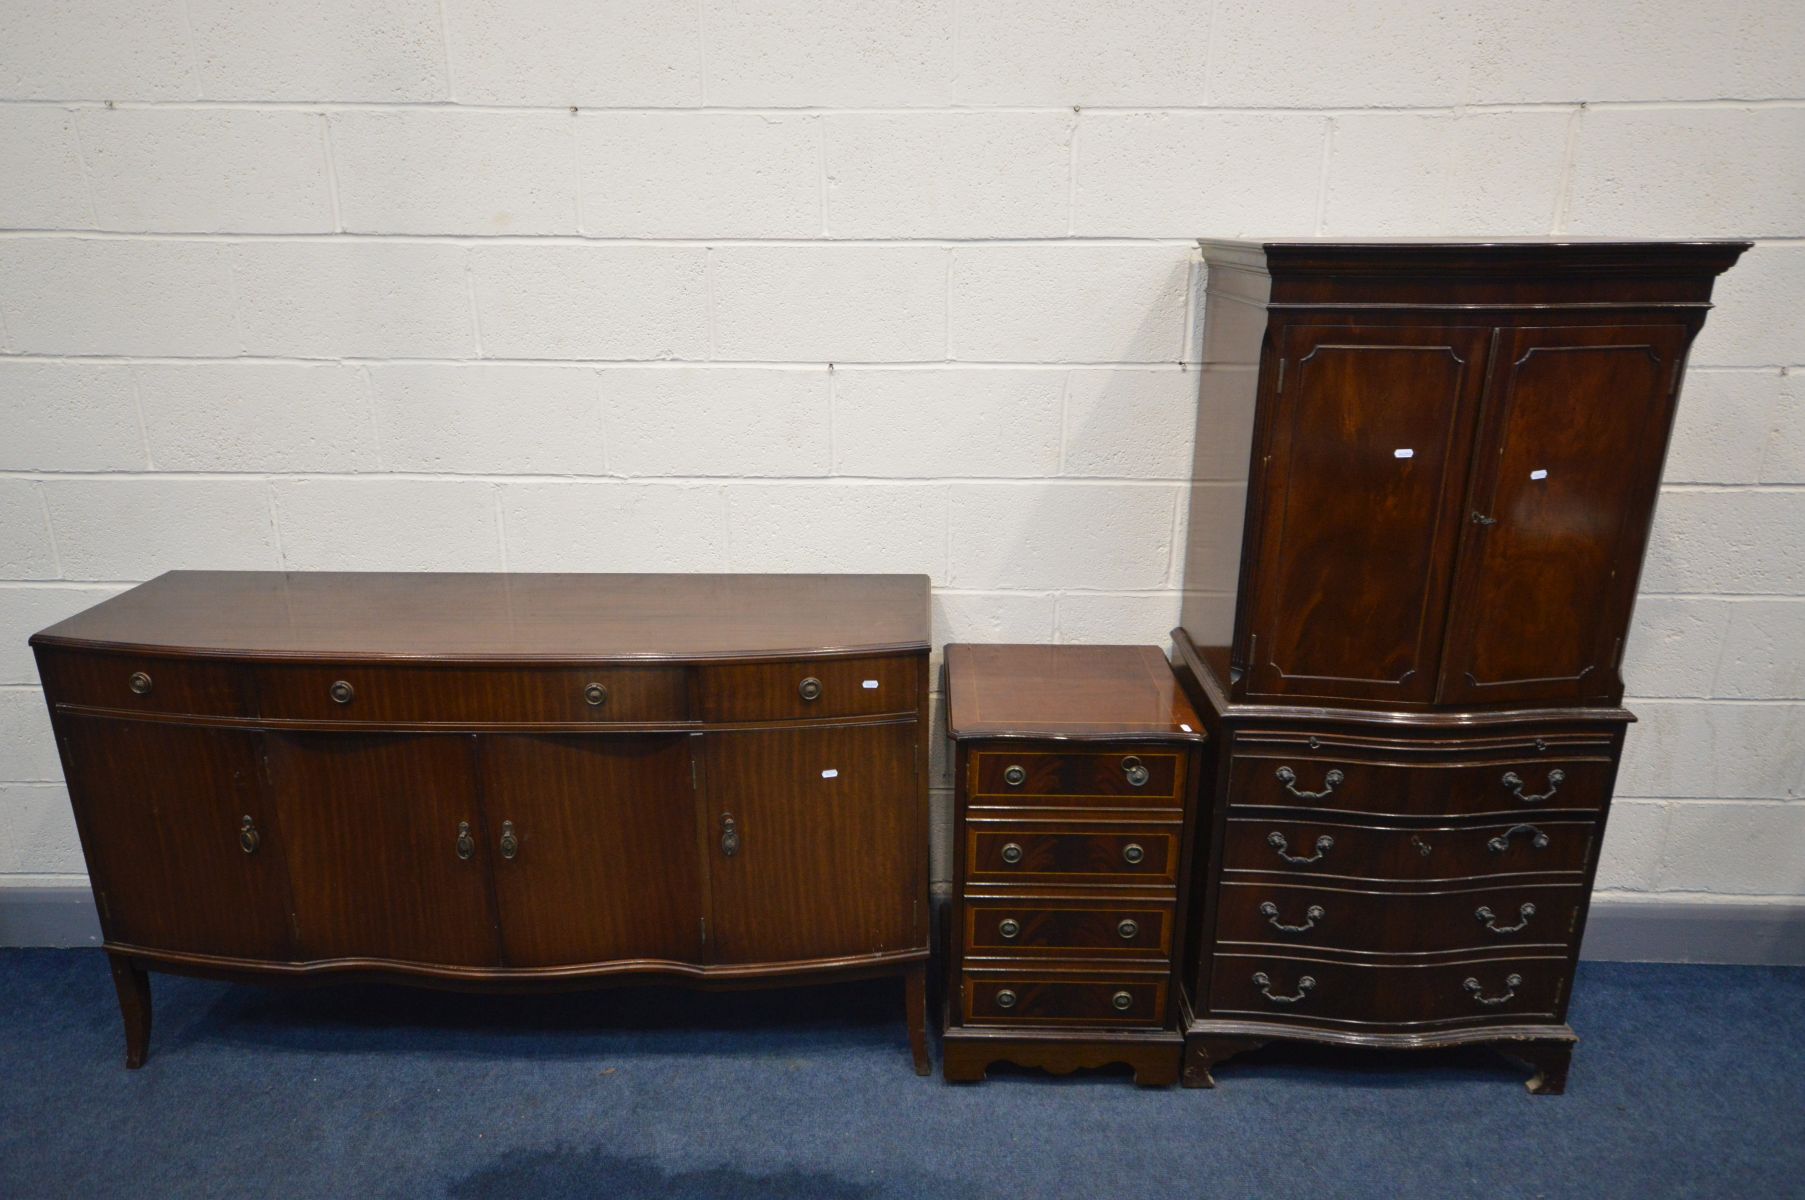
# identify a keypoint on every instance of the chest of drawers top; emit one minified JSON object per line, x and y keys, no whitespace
{"x":1114,"y":693}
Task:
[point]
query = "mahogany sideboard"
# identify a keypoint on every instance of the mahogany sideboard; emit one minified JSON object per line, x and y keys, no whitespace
{"x":1448,"y":462}
{"x":1076,"y":773}
{"x":501,"y":780}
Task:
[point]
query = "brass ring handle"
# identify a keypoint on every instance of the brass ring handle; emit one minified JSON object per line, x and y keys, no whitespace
{"x":1514,"y":782}
{"x":595,"y":695}
{"x":1137,"y":774}
{"x":1008,"y":927}
{"x":1132,"y":853}
{"x":1127,"y":929}
{"x":1276,"y":840}
{"x":1014,"y":775}
{"x":248,"y":837}
{"x":1485,"y":914}
{"x":1313,"y":914}
{"x":466,"y":844}
{"x":1511,"y":984}
{"x":1012,"y":853}
{"x":1123,"y":1001}
{"x":1330,"y":782}
{"x":1264,"y":983}
{"x":1501,"y":843}
{"x":341,"y":692}
{"x":1005,"y":999}
{"x":510,"y":845}
{"x":730,"y":835}
{"x":139,"y":682}
{"x":809,"y":689}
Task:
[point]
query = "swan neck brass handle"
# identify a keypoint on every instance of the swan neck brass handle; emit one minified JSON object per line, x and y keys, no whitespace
{"x":466,"y":845}
{"x":1511,"y":984}
{"x":1264,"y":983}
{"x":1330,"y":782}
{"x":139,"y":682}
{"x":1312,"y":915}
{"x":1501,"y":843}
{"x":1486,"y":915}
{"x":1514,"y":782}
{"x":510,"y":845}
{"x":730,"y":835}
{"x":1276,"y":840}
{"x":248,"y":837}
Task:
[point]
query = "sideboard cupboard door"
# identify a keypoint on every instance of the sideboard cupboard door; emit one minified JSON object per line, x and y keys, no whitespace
{"x":372,"y":826}
{"x":1569,"y":462}
{"x":1367,"y":451}
{"x":602,"y":863}
{"x":180,"y":843}
{"x":814,"y":842}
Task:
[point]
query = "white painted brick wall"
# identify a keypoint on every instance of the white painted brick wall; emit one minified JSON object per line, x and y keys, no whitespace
{"x":905,"y":285}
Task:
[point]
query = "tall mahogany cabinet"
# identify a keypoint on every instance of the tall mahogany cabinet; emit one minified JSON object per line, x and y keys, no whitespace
{"x":1425,"y":479}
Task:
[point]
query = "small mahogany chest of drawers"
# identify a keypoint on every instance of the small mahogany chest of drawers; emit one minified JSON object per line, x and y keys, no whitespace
{"x":501,"y":780}
{"x":1076,"y":771}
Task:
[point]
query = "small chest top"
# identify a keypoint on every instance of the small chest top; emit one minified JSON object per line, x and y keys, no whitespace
{"x":273,"y":615}
{"x":1084,"y":692}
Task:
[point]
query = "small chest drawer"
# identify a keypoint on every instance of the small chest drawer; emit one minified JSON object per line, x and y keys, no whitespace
{"x":1126,"y":854}
{"x":1397,"y":922}
{"x":144,"y":683}
{"x":1317,"y":991}
{"x":1340,"y":850}
{"x":1033,"y":927}
{"x":785,"y":691}
{"x":1026,"y":997}
{"x":1405,"y":780}
{"x":381,"y":693}
{"x":1119,"y":776}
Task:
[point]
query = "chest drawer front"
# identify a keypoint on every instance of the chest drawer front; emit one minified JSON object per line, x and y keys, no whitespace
{"x":1034,"y":927}
{"x":786,"y":691}
{"x":142,"y":683}
{"x":1316,"y":991}
{"x":1483,"y":778}
{"x":1127,"y":854}
{"x":360,"y":693}
{"x":1398,"y":922}
{"x":1124,"y":775}
{"x":1028,"y":996}
{"x":1340,"y":850}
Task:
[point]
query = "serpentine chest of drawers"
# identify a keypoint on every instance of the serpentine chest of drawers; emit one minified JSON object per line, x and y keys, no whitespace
{"x":1076,"y":767}
{"x":1439,"y":510}
{"x":501,"y":780}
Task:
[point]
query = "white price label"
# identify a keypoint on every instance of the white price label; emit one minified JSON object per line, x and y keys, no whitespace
{"x":869,"y":685}
{"x":1403,"y":453}
{"x":830,"y":773}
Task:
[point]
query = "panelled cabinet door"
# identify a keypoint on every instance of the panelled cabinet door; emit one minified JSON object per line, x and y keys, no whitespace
{"x":1367,"y":454}
{"x":594,"y":842}
{"x":178,"y":835}
{"x":387,"y":854}
{"x":1575,"y":428}
{"x":814,"y":842}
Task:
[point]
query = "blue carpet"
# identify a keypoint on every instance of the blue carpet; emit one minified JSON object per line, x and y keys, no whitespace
{"x":1686,"y":1084}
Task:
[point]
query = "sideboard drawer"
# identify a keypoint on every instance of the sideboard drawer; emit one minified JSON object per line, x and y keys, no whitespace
{"x":1029,"y":996}
{"x":1275,"y":987}
{"x":1129,"y":929}
{"x":801,"y":688}
{"x":1126,"y":854}
{"x":1125,"y":774}
{"x":1341,"y":850}
{"x":1376,"y":922}
{"x":144,"y":683}
{"x":378,"y":693}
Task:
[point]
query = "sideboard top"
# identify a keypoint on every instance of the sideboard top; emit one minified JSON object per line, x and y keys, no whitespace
{"x":1065,"y":692}
{"x":462,"y":617}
